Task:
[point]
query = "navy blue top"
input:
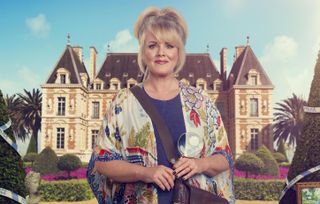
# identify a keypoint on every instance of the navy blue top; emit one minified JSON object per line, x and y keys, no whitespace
{"x":171,"y":112}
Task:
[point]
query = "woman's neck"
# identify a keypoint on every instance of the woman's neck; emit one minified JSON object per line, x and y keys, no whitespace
{"x":161,"y":88}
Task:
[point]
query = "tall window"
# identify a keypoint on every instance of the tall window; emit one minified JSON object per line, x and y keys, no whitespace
{"x":254,"y":80}
{"x":254,"y":107}
{"x":94,"y":134}
{"x":96,"y":108}
{"x":60,"y":138}
{"x":254,"y":138}
{"x":61,"y":105}
{"x":62,"y":79}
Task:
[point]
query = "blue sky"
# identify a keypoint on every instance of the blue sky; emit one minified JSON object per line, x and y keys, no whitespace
{"x":285,"y":35}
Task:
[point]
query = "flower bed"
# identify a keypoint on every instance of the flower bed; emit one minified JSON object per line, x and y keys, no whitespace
{"x":62,"y":175}
{"x":282,"y":170}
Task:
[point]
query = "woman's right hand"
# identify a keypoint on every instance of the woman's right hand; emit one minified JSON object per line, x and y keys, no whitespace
{"x":160,"y":175}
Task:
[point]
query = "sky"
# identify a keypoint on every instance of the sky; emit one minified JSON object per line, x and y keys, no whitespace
{"x":284,"y":35}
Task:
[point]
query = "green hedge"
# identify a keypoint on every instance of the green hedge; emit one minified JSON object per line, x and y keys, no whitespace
{"x":69,"y":190}
{"x":251,"y":189}
{"x":79,"y":190}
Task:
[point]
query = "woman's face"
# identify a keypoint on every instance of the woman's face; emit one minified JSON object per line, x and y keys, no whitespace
{"x":160,"y":57}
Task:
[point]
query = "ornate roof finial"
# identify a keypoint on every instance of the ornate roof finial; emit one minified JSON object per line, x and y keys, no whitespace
{"x":68,"y":38}
{"x":108,"y":47}
{"x":248,"y":38}
{"x":208,"y":48}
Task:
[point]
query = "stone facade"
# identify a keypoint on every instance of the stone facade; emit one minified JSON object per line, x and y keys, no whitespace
{"x":74,"y":102}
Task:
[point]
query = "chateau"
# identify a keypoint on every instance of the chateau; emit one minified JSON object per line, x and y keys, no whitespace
{"x":75,"y":100}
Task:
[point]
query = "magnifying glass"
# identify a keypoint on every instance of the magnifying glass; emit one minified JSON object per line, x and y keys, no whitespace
{"x":190,"y":145}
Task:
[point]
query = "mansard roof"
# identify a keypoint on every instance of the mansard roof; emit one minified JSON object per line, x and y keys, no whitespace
{"x":243,"y":64}
{"x":124,"y":66}
{"x":71,"y":62}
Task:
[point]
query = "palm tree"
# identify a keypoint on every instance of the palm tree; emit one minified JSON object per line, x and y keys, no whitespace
{"x":14,"y":104}
{"x":288,"y":120}
{"x":25,"y":112}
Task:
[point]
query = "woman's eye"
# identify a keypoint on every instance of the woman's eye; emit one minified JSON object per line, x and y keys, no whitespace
{"x":151,"y":46}
{"x":170,"y":46}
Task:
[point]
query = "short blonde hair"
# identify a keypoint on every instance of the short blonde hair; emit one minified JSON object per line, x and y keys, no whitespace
{"x":165,"y":24}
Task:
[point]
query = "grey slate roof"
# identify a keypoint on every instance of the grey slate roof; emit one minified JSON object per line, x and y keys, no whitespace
{"x":246,"y":61}
{"x":116,"y":64}
{"x":70,"y":61}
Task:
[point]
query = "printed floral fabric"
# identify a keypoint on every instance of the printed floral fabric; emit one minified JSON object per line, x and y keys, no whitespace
{"x":127,"y":134}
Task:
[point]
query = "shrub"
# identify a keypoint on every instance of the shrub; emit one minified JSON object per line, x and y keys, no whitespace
{"x":252,"y":189}
{"x":69,"y":162}
{"x":11,"y":172}
{"x":11,"y":167}
{"x":279,"y":157}
{"x":30,"y":157}
{"x":71,"y":190}
{"x":46,"y":162}
{"x":271,"y":167}
{"x":249,"y":163}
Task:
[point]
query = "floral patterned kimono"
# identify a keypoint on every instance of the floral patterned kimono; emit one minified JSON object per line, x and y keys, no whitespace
{"x":128,"y":135}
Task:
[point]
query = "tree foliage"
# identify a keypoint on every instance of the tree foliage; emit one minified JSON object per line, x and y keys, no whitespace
{"x":249,"y":163}
{"x":11,"y":167}
{"x":288,"y":120}
{"x":271,"y":167}
{"x":69,"y":162}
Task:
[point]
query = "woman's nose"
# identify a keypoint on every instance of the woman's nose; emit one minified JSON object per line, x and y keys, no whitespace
{"x":161,"y":51}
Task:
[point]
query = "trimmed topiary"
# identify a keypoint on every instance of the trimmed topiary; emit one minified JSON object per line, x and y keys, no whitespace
{"x":30,"y":157}
{"x":12,"y":173}
{"x":307,"y":154}
{"x":279,"y":157}
{"x":249,"y":163}
{"x":46,"y":162}
{"x":69,"y":162}
{"x":271,"y":167}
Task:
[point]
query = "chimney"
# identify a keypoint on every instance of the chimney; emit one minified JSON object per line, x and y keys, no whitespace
{"x":93,"y":61}
{"x":78,"y":51}
{"x":223,"y":64}
{"x":239,"y":50}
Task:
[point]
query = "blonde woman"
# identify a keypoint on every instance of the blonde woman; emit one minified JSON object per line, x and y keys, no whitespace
{"x":130,"y":162}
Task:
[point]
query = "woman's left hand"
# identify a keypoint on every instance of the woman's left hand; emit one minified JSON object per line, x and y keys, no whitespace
{"x":187,"y":167}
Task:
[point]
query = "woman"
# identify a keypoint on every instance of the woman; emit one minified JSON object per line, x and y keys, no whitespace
{"x":130,"y":162}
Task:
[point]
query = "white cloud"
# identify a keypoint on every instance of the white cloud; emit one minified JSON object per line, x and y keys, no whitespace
{"x":285,"y":69}
{"x":29,"y":77}
{"x":38,"y":25}
{"x":281,"y":50}
{"x":123,"y":42}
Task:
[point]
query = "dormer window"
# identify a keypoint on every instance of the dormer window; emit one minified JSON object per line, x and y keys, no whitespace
{"x":98,"y":86}
{"x":254,"y":80}
{"x":217,"y":85}
{"x":202,"y":84}
{"x":131,"y":82}
{"x":114,"y":84}
{"x":253,"y":77}
{"x":62,"y":78}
